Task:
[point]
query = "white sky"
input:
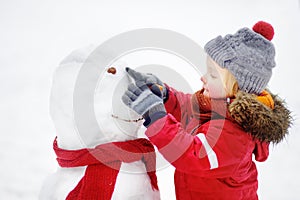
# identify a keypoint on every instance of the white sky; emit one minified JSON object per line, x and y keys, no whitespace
{"x":36,"y":35}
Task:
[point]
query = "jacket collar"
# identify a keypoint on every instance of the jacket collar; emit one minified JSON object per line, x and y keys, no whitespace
{"x":261,"y":121}
{"x":265,"y":117}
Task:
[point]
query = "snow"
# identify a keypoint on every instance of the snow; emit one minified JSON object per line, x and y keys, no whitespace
{"x":36,"y":35}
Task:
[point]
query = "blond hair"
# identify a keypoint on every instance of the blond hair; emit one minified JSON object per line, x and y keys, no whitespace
{"x":229,"y":81}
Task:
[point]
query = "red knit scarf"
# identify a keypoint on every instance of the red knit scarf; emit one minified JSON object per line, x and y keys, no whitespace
{"x":206,"y":108}
{"x":103,"y":164}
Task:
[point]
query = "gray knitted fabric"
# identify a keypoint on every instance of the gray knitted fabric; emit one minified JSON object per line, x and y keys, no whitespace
{"x":247,"y":55}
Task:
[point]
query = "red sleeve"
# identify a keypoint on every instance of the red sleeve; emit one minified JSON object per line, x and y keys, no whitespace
{"x":215,"y":153}
{"x":179,"y":105}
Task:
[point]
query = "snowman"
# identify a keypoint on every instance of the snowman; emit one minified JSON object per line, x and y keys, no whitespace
{"x":106,"y":159}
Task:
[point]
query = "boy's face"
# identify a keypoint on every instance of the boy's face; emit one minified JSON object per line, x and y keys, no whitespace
{"x":213,"y":80}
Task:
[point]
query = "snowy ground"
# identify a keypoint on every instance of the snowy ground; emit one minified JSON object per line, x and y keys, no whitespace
{"x":36,"y":35}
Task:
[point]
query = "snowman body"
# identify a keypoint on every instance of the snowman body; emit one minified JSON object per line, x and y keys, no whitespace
{"x":129,"y":186}
{"x":115,"y":123}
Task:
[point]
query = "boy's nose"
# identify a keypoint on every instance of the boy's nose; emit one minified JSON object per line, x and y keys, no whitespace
{"x":203,"y":79}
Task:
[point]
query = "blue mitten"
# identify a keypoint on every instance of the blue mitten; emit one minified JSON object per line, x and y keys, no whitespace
{"x":140,"y":99}
{"x":154,"y":83}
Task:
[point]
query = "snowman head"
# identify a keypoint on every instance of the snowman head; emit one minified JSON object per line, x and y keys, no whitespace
{"x":109,"y":120}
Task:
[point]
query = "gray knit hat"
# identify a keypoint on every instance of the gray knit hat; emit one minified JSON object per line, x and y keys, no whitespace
{"x":248,"y":55}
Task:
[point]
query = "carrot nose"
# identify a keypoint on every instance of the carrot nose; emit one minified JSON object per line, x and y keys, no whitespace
{"x":159,"y":86}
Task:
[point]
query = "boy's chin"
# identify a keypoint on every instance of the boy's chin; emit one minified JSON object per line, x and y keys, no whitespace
{"x":206,"y":93}
{"x":213,"y":95}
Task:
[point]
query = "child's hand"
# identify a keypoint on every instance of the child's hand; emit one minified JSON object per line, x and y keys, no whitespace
{"x":154,"y":83}
{"x":144,"y":102}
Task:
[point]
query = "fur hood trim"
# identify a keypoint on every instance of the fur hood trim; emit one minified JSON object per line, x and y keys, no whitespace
{"x":262,"y":122}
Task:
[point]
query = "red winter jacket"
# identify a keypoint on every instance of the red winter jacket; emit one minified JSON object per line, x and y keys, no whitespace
{"x":213,"y":160}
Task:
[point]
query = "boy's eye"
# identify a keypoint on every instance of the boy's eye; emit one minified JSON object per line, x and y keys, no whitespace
{"x":213,"y":76}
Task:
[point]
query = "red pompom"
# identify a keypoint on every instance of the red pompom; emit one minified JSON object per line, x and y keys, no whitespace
{"x":265,"y":29}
